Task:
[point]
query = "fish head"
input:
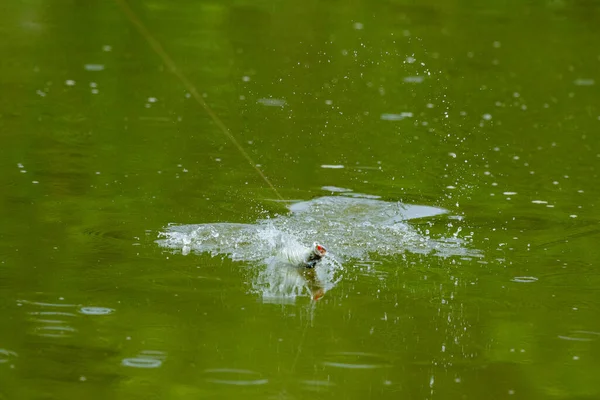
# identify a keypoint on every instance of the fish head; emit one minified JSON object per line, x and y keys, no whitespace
{"x":319,"y":250}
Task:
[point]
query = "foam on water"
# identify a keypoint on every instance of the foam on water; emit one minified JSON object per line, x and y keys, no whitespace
{"x":352,"y":228}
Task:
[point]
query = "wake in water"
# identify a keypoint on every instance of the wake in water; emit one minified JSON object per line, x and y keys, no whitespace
{"x":350,"y":228}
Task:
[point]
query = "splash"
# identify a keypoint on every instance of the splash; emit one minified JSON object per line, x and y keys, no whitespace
{"x":352,"y":228}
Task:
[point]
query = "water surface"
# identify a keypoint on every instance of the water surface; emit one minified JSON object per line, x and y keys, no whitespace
{"x":469,"y":270}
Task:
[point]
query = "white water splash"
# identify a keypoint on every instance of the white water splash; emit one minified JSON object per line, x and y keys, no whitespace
{"x":352,"y":228}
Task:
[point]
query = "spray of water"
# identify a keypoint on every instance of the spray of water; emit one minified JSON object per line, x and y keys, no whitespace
{"x":352,"y":229}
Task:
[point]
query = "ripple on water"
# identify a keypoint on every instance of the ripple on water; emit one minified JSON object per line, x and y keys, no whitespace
{"x":239,"y":377}
{"x":7,"y":355}
{"x":52,"y":313}
{"x":357,"y":360}
{"x":55,"y":331}
{"x":96,"y":310}
{"x":581,"y":336}
{"x":41,"y":304}
{"x":524,"y":279}
{"x":146,"y":359}
{"x":51,"y":319}
{"x":140,"y":362}
{"x":316,"y":385}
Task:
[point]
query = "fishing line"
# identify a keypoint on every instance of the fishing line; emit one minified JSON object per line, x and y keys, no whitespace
{"x":170,"y":64}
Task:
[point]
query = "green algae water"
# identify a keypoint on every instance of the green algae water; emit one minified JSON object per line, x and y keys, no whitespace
{"x":445,"y":153}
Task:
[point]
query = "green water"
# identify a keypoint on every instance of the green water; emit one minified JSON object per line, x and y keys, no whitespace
{"x":486,"y":109}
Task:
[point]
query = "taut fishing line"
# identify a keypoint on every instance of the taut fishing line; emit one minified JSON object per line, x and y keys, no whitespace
{"x":170,"y":64}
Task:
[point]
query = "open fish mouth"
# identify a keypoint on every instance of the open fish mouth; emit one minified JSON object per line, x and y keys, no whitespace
{"x":319,"y":250}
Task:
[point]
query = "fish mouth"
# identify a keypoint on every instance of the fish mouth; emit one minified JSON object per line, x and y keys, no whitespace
{"x":319,"y":250}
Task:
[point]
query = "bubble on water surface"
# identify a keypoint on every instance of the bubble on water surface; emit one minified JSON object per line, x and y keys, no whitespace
{"x":349,"y":227}
{"x":238,"y":377}
{"x":330,"y":166}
